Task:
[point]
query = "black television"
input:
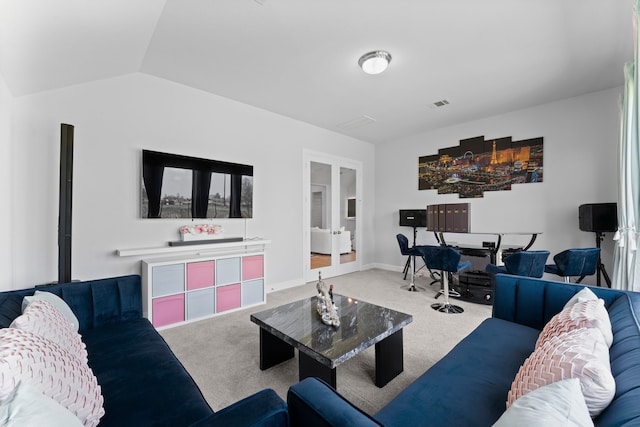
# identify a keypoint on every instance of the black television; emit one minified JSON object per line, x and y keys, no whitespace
{"x":176,"y":186}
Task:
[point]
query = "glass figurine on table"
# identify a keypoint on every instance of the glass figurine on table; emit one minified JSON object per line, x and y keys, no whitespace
{"x":326,"y":308}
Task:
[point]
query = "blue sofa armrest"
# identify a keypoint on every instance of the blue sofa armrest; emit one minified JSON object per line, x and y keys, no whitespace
{"x":533,"y":302}
{"x":262,"y":409}
{"x":313,"y":403}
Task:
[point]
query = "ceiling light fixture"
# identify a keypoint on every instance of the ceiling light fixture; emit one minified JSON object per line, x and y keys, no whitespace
{"x":374,"y":62}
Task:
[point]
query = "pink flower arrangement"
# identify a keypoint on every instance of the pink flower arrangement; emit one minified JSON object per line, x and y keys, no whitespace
{"x":200,"y":231}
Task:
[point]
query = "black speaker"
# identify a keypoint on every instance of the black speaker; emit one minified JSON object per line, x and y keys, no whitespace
{"x":598,"y":217}
{"x":413,"y":217}
{"x":65,"y":203}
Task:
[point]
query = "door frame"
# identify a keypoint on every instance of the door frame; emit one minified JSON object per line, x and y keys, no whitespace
{"x":336,"y":269}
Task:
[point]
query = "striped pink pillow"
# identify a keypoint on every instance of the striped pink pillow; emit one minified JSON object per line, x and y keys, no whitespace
{"x":580,"y":353}
{"x":585,"y":314}
{"x":47,"y":367}
{"x":45,"y":320}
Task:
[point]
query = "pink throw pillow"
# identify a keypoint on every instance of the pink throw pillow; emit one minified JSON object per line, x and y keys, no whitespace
{"x":580,"y":353}
{"x":45,"y":320}
{"x":585,"y":314}
{"x":47,"y":367}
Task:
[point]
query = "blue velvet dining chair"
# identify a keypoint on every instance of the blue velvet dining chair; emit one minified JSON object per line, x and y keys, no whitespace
{"x":446,"y":260}
{"x":577,"y":262}
{"x":522,"y":263}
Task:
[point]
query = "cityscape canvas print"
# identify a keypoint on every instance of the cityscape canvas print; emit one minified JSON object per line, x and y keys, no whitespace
{"x":478,"y":165}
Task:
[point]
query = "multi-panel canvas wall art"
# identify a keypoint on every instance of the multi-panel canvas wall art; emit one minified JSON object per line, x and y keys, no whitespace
{"x":478,"y":165}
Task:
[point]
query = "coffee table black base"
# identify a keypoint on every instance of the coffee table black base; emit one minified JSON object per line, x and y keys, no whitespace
{"x":309,"y":367}
{"x":389,"y":358}
{"x":273,"y":350}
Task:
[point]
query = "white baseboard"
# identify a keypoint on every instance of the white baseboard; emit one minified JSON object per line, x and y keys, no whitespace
{"x":299,"y":282}
{"x":388,"y":267}
{"x":286,"y":285}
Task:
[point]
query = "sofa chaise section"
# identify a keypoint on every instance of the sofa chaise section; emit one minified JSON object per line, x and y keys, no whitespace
{"x":142,"y":382}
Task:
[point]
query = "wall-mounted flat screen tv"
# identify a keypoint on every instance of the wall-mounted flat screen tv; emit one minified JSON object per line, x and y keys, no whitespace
{"x":175,"y":186}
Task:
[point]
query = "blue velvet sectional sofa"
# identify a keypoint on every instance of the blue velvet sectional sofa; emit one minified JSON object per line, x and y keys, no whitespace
{"x":143,"y":383}
{"x":469,"y":386}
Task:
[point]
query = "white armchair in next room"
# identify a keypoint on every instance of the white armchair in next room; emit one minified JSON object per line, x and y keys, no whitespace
{"x":321,"y":241}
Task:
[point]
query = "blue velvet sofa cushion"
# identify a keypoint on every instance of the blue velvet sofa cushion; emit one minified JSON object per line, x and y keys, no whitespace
{"x":10,"y":308}
{"x":533,"y":302}
{"x":95,"y":303}
{"x":142,"y":382}
{"x":469,"y":386}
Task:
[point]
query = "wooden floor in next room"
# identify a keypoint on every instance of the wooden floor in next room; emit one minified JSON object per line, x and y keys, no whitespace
{"x":321,"y":260}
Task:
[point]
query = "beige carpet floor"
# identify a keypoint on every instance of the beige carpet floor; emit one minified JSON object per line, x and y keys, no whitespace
{"x":222,"y":353}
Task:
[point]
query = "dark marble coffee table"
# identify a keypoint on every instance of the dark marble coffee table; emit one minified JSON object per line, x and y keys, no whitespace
{"x":321,"y":348}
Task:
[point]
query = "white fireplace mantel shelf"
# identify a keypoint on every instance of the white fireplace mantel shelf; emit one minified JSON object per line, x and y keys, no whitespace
{"x":197,"y":248}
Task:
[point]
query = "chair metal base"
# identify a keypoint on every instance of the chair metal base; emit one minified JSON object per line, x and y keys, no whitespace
{"x":412,"y":267}
{"x":435,"y":277}
{"x":452,"y":293}
{"x":447,"y":308}
{"x":411,"y":259}
{"x":413,"y":288}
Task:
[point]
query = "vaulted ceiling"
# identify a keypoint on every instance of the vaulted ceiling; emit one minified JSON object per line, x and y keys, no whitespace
{"x":298,"y":58}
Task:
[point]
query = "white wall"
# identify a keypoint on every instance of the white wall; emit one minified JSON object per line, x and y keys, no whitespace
{"x":580,"y":163}
{"x":114,"y":120}
{"x":5,"y":185}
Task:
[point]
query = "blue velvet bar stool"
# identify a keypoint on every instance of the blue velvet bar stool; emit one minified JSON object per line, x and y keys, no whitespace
{"x":412,"y":253}
{"x":578,"y":262}
{"x":522,"y":263}
{"x":446,"y":260}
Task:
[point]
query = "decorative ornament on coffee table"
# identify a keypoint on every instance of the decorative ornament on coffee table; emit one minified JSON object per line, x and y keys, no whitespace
{"x":326,"y":308}
{"x":201,"y":232}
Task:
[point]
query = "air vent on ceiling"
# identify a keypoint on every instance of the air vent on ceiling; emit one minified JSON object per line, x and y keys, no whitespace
{"x":356,"y":123}
{"x":440,"y":103}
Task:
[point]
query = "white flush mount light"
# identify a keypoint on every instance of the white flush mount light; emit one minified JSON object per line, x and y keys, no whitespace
{"x":374,"y":62}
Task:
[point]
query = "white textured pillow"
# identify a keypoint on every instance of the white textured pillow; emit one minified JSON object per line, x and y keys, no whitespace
{"x":45,"y":320}
{"x":582,"y":354}
{"x":28,"y":407}
{"x":56,"y":301}
{"x":585,"y":314}
{"x":559,"y":404}
{"x":44,"y":365}
{"x":585,"y":294}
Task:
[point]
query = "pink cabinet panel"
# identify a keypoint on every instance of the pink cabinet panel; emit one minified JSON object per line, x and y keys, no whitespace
{"x":167,"y":310}
{"x":227,"y":297}
{"x":252,"y":267}
{"x":200,"y":274}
